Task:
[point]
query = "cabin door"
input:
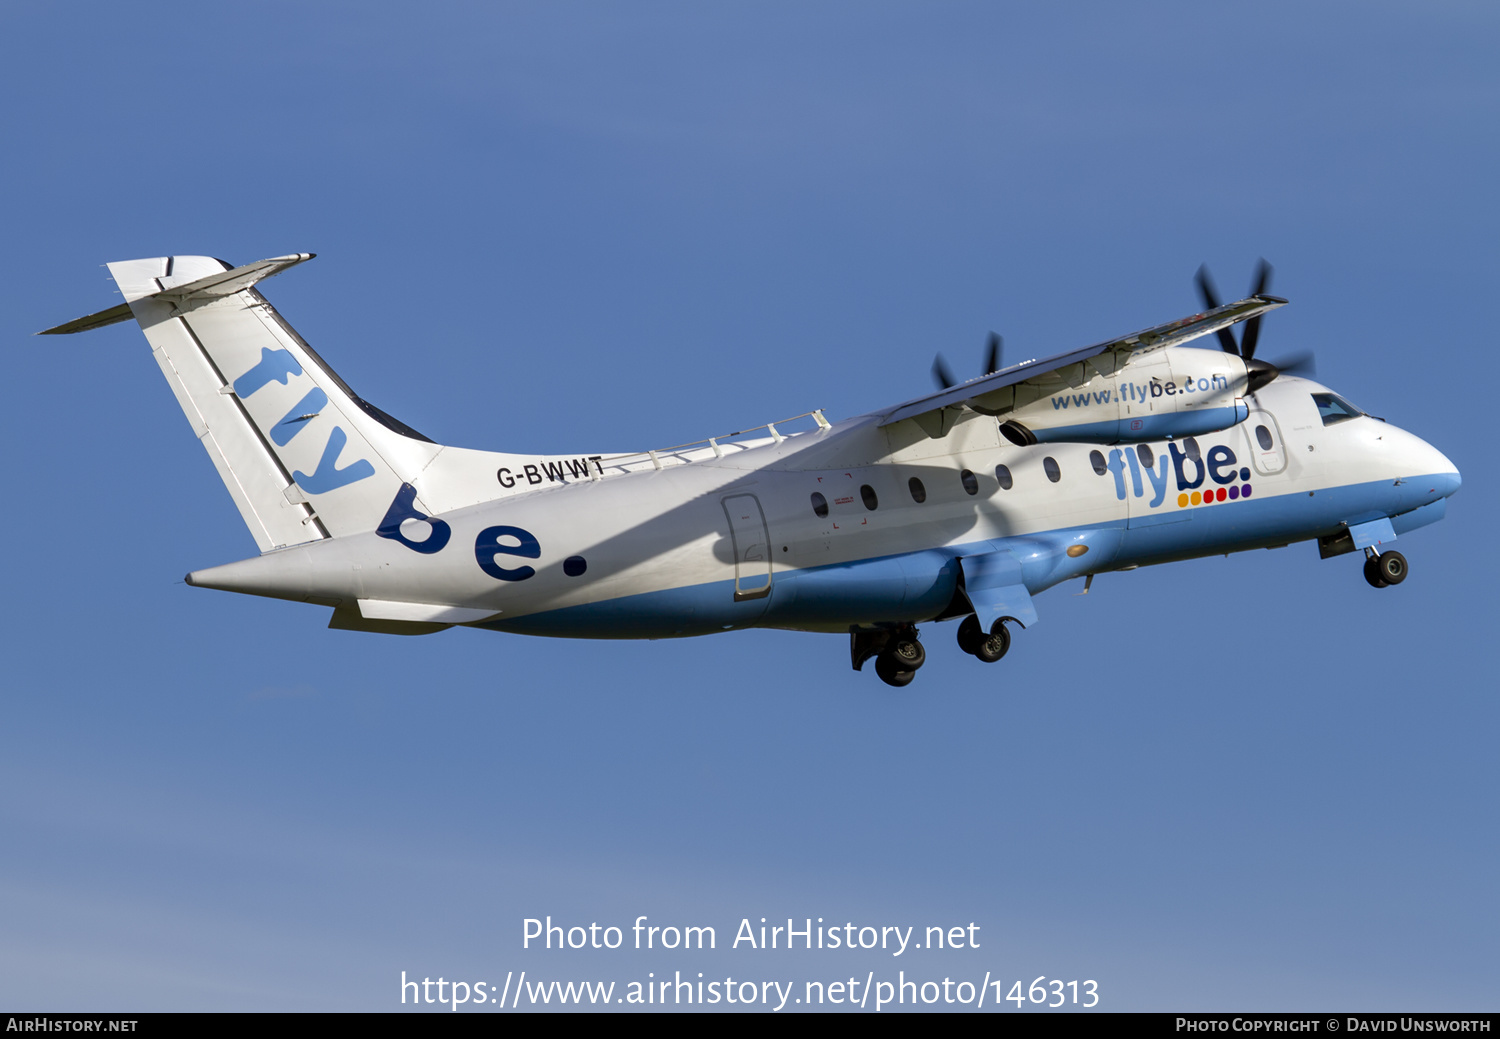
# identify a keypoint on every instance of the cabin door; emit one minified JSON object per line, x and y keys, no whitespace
{"x":752,"y":547}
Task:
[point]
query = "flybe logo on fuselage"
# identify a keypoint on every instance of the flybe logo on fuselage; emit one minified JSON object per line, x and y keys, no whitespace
{"x":1200,"y":478}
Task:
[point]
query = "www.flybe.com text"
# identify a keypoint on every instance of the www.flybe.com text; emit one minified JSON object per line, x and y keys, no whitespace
{"x":1136,"y":392}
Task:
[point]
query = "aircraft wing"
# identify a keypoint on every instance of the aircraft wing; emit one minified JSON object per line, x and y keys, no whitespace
{"x":1170,"y":334}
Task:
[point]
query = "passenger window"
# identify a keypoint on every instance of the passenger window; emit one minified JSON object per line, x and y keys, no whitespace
{"x":970,"y":482}
{"x":1002,"y":473}
{"x":1096,"y":460}
{"x":1143,"y":452}
{"x":1263,"y":438}
{"x":918,"y":492}
{"x":867,"y":495}
{"x":820,"y":505}
{"x":1049,"y":466}
{"x":1190,"y":448}
{"x":1333,"y":408}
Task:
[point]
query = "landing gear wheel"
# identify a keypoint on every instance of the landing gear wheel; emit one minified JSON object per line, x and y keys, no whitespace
{"x":907,"y":653}
{"x":891,"y":672}
{"x":970,"y":634}
{"x":1392,"y":567}
{"x":994,"y":645}
{"x":1372,"y":573}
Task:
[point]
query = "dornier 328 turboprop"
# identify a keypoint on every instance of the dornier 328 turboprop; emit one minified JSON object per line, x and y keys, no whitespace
{"x":962,"y":504}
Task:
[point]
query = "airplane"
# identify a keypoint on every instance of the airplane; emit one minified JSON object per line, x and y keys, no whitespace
{"x":961,"y":504}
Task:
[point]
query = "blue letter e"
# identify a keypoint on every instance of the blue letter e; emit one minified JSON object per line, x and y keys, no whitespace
{"x":488,"y":545}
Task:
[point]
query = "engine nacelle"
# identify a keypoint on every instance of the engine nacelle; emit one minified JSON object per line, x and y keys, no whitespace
{"x":1115,"y":398}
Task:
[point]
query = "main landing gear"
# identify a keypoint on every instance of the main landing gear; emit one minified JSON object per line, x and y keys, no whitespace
{"x":898,"y":653}
{"x":1384,"y":568}
{"x":990,"y":647}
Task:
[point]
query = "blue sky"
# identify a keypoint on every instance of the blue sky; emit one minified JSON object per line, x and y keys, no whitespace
{"x":1244,"y":782}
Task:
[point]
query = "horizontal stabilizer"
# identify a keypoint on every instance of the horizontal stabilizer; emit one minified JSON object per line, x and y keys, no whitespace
{"x":215,"y":286}
{"x":229,"y":282}
{"x":112,"y":316}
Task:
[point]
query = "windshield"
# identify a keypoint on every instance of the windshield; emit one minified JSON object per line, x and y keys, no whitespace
{"x":1333,"y":408}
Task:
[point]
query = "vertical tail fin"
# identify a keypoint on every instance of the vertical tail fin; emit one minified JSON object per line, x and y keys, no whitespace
{"x":302,"y":455}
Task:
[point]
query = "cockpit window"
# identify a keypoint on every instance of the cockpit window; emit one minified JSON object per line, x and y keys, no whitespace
{"x":1333,"y":408}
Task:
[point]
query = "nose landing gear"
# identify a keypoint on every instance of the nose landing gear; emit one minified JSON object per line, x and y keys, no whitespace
{"x":1385,"y":568}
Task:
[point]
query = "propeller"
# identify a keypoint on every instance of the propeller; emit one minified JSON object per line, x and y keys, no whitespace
{"x":943,"y":375}
{"x":1260,"y":372}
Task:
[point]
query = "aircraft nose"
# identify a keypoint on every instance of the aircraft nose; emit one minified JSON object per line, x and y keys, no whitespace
{"x":1438,"y":474}
{"x":1447,"y":484}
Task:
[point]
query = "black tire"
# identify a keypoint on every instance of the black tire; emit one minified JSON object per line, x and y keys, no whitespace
{"x":994,"y":645}
{"x":1392,"y":566}
{"x":970,"y":634}
{"x":891,"y":672}
{"x":1372,"y":573}
{"x":907,"y":653}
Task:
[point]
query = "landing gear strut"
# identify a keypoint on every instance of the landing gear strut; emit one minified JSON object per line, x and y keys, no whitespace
{"x":987,"y":647}
{"x":1385,"y":568}
{"x":897,"y":652}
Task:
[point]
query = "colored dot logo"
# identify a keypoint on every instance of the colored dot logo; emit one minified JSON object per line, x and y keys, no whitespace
{"x":1208,"y":497}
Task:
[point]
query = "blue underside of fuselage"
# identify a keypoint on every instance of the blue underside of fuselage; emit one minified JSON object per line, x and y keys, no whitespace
{"x":920,"y":585}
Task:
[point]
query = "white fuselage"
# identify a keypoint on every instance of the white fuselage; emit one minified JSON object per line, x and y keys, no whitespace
{"x":741,"y":540}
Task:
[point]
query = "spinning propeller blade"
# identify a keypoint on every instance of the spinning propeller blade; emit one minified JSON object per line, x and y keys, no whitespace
{"x":1252,"y":327}
{"x":941,"y":374}
{"x":1211,"y":302}
{"x":1260,"y":372}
